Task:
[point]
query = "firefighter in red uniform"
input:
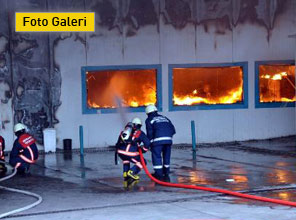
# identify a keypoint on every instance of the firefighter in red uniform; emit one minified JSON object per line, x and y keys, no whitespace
{"x":2,"y":158}
{"x":128,"y":145}
{"x":24,"y":151}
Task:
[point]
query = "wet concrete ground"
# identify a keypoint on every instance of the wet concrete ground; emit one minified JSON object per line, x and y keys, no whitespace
{"x":92,"y":187}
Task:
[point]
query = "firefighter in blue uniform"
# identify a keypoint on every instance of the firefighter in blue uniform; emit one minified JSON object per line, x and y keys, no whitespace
{"x":160,"y":131}
{"x":24,"y":151}
{"x":2,"y":157}
{"x":128,"y":145}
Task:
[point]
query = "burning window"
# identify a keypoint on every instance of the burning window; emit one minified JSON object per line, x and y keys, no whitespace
{"x":129,"y":88}
{"x":276,"y":83}
{"x":221,"y":85}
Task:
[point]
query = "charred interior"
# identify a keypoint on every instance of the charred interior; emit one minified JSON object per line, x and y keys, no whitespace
{"x":207,"y":85}
{"x":277,"y":83}
{"x":129,"y":88}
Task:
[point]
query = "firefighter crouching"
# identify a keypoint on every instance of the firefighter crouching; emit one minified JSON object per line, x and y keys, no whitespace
{"x":24,"y":151}
{"x":2,"y":157}
{"x":128,"y":145}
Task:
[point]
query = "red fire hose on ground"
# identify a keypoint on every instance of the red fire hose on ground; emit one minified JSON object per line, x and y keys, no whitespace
{"x":228,"y":192}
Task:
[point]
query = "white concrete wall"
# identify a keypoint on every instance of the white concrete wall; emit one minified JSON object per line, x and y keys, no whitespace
{"x":246,"y":42}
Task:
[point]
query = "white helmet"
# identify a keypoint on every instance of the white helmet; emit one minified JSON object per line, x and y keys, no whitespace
{"x":137,"y":121}
{"x":19,"y":127}
{"x":150,"y":108}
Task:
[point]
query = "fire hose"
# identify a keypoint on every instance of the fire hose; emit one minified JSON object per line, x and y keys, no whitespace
{"x":18,"y":191}
{"x":209,"y":189}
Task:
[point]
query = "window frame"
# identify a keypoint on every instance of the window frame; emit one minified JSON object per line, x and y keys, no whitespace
{"x":259,"y":104}
{"x":242,"y":105}
{"x":87,"y":110}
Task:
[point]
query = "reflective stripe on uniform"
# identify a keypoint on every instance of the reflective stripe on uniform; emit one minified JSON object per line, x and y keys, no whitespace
{"x":157,"y":167}
{"x":31,"y":153}
{"x":128,"y":147}
{"x":166,"y":166}
{"x":26,"y":159}
{"x":17,"y":165}
{"x":138,"y":164}
{"x":162,"y":139}
{"x":125,"y":162}
{"x":159,"y":119}
{"x":132,"y":154}
{"x":1,"y":152}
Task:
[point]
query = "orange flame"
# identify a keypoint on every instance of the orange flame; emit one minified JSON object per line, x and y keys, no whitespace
{"x":130,"y":102}
{"x":277,"y":83}
{"x":279,"y":100}
{"x":128,"y":88}
{"x":278,"y":76}
{"x":207,"y":85}
{"x":233,"y":97}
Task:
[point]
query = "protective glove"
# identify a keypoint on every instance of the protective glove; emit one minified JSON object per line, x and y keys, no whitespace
{"x":21,"y":152}
{"x":144,"y":149}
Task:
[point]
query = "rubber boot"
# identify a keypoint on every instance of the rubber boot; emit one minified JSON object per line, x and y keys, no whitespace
{"x":156,"y":176}
{"x":166,"y":178}
{"x":125,"y":176}
{"x":131,"y":174}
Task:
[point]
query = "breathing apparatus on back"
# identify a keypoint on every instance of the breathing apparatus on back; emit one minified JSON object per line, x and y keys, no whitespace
{"x":127,"y":132}
{"x":125,"y":138}
{"x":130,"y":127}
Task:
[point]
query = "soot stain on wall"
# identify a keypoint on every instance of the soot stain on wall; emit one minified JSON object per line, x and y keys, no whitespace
{"x":132,"y":13}
{"x":262,"y":12}
{"x":29,"y":73}
{"x":5,"y":69}
{"x":31,"y":83}
{"x":106,"y":13}
{"x":177,"y":13}
{"x":128,"y":16}
{"x":141,"y":13}
{"x":226,"y":14}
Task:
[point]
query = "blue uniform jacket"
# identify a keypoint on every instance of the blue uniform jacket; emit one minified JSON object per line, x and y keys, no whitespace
{"x":131,"y":146}
{"x":24,"y":147}
{"x":160,"y":129}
